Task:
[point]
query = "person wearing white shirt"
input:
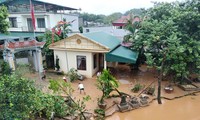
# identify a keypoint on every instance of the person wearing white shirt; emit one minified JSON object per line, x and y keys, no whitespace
{"x":81,"y":87}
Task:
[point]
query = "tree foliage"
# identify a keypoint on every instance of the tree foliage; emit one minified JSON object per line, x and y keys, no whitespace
{"x":106,"y":83}
{"x":4,"y":25}
{"x":135,"y":11}
{"x":48,"y":41}
{"x":112,"y":17}
{"x":92,"y":17}
{"x":17,"y":97}
{"x":65,"y":29}
{"x":74,"y":107}
{"x":171,"y":31}
{"x":5,"y":68}
{"x":132,"y":28}
{"x":169,"y":38}
{"x":21,"y":100}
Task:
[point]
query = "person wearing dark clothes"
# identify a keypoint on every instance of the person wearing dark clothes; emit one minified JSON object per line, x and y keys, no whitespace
{"x":44,"y":75}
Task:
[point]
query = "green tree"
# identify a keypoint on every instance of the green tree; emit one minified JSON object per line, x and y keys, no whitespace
{"x":74,"y":107}
{"x":112,"y":17}
{"x":129,"y":38}
{"x":92,"y":18}
{"x":48,"y":41}
{"x":135,"y":11}
{"x":169,"y":38}
{"x":106,"y":83}
{"x":17,"y":97}
{"x":6,"y":70}
{"x":21,"y":100}
{"x":4,"y":25}
{"x":48,"y":36}
{"x":65,"y":29}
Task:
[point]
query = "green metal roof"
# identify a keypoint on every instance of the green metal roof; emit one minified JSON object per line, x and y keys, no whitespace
{"x":4,"y":36}
{"x":104,"y":39}
{"x":122,"y":54}
{"x":17,"y":35}
{"x":25,"y":34}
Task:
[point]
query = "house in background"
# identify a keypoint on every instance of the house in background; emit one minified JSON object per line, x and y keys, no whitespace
{"x":21,"y":37}
{"x":90,"y":52}
{"x":117,"y":29}
{"x":47,"y":15}
{"x":120,"y":23}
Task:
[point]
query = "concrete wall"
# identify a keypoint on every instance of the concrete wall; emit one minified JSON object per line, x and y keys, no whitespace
{"x":50,"y":21}
{"x":75,"y":23}
{"x":62,"y":60}
{"x":72,"y":62}
{"x":22,"y":61}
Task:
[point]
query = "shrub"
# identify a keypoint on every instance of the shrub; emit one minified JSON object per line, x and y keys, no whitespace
{"x":20,"y":100}
{"x":106,"y":82}
{"x":150,"y":90}
{"x":5,"y":68}
{"x":21,"y":69}
{"x":100,"y":114}
{"x":72,"y":74}
{"x":137,"y":87}
{"x":17,"y":97}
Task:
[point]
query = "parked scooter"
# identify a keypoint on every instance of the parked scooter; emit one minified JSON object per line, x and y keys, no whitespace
{"x":80,"y":77}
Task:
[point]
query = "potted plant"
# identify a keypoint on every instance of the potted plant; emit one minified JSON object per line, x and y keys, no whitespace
{"x":72,"y":74}
{"x":106,"y":83}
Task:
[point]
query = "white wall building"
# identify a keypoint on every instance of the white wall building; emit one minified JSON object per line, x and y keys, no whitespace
{"x":90,"y":52}
{"x":47,"y":15}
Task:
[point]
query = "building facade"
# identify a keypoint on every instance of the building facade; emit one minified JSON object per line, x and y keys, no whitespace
{"x":91,"y":52}
{"x":47,"y":15}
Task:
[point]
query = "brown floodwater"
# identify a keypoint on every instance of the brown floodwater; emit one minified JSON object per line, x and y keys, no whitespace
{"x":185,"y":108}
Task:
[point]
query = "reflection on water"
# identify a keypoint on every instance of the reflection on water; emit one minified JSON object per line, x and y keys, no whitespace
{"x":124,"y":81}
{"x":186,"y":108}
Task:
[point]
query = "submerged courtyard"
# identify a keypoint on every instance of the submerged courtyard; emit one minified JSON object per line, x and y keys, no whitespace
{"x":176,"y":102}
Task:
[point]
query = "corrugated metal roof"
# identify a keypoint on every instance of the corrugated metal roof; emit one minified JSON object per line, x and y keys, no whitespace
{"x":122,"y":54}
{"x":25,"y":34}
{"x":4,"y":36}
{"x":2,"y":1}
{"x":33,"y":1}
{"x":104,"y":39}
{"x":17,"y":35}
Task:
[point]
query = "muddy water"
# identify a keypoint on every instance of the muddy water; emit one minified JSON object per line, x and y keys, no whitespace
{"x":185,"y":108}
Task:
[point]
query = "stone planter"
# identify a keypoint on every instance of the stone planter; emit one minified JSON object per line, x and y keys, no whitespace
{"x":102,"y":105}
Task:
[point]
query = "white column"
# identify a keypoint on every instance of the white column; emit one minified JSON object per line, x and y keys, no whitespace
{"x":35,"y":61}
{"x":116,"y":64}
{"x":39,"y":61}
{"x":11,"y":60}
{"x":5,"y":56}
{"x":105,"y":63}
{"x":46,"y":21}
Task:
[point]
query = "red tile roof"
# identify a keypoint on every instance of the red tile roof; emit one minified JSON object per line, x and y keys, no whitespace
{"x":123,"y":20}
{"x":23,"y":44}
